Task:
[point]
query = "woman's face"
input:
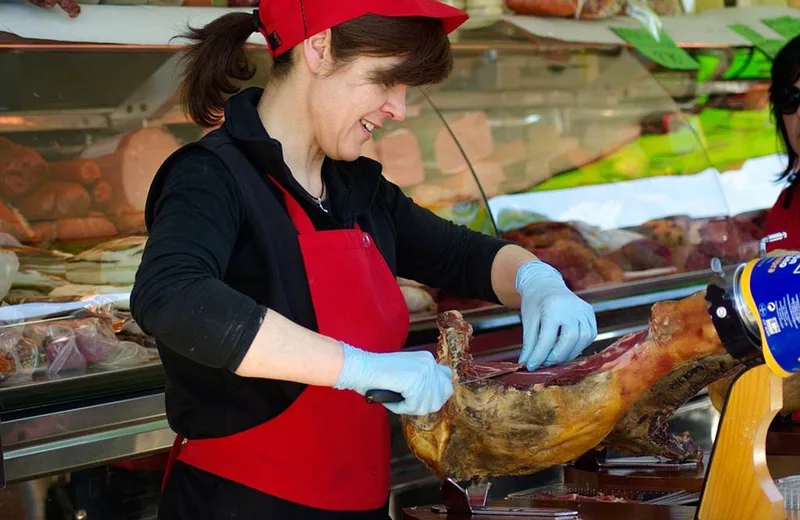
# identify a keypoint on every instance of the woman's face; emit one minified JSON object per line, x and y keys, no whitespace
{"x":792,"y":120}
{"x":346,"y":106}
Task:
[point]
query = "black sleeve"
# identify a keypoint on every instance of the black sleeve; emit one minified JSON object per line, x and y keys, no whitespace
{"x":438,"y":253}
{"x":179,"y":296}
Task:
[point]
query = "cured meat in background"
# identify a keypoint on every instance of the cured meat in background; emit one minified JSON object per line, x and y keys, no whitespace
{"x":22,"y":170}
{"x":580,"y":267}
{"x":524,"y":422}
{"x":564,"y":247}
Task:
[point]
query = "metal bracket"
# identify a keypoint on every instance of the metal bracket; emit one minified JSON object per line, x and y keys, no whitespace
{"x":458,"y":501}
{"x":152,"y":99}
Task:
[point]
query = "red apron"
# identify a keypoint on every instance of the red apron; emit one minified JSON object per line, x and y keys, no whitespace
{"x":329,"y":449}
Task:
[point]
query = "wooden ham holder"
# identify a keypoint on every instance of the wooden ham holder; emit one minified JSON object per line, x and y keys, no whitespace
{"x":738,"y":482}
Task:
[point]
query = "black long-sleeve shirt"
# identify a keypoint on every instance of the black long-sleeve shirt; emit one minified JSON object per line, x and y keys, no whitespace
{"x":222,"y":250}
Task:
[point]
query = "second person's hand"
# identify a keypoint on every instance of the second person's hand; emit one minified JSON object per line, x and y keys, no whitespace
{"x":424,"y":384}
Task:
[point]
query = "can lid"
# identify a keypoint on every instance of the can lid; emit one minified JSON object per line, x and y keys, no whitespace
{"x":729,"y":325}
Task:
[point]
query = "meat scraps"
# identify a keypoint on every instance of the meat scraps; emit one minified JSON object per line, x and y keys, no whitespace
{"x":524,"y":422}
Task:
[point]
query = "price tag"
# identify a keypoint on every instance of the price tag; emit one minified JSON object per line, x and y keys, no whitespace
{"x":767,"y":46}
{"x":663,"y":51}
{"x":786,"y":26}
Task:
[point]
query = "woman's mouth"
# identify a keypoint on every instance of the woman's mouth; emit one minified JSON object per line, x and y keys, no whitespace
{"x":368,"y":127}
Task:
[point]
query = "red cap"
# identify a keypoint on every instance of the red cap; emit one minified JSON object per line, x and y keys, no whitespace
{"x":286,"y":23}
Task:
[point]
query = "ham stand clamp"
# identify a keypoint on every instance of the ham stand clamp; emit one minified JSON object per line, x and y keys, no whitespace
{"x":459,"y":502}
{"x":756,"y":314}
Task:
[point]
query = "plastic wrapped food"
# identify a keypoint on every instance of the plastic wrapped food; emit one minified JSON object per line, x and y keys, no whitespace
{"x":61,"y":348}
{"x":95,"y":338}
{"x":9,"y":265}
{"x":591,"y":9}
{"x":127,"y":354}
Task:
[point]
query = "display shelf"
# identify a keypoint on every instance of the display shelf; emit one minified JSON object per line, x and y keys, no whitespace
{"x":708,"y":29}
{"x":561,"y":109}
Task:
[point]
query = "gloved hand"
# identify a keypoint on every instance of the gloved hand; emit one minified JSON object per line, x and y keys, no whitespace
{"x":556,"y":324}
{"x":425,"y":385}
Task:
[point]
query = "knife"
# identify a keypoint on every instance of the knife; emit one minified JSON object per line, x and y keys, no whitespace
{"x":377,"y":395}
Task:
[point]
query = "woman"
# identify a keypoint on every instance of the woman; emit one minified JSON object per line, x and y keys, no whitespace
{"x":269,"y":275}
{"x":784,"y":96}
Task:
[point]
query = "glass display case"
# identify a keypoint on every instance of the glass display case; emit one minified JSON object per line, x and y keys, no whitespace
{"x":626,"y":176}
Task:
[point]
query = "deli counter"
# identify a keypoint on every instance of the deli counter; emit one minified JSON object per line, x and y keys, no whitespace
{"x":626,"y":176}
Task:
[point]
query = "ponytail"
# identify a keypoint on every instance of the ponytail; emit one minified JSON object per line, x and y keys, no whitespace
{"x":215,"y":64}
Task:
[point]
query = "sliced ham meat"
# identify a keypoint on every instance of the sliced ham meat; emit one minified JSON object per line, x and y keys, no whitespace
{"x":401,"y":158}
{"x":22,"y":170}
{"x":82,"y":171}
{"x":474,"y":134}
{"x":13,"y":223}
{"x":130,"y":168}
{"x":56,"y":199}
{"x":521,"y":423}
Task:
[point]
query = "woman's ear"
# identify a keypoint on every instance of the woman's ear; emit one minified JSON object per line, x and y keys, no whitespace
{"x":317,"y":52}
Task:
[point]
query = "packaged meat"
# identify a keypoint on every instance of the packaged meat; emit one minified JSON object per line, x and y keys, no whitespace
{"x":95,"y":338}
{"x":130,"y":163}
{"x":82,"y":171}
{"x":642,"y":255}
{"x":56,"y":199}
{"x":580,"y":267}
{"x":544,"y":234}
{"x":30,"y":282}
{"x":9,"y":266}
{"x":113,"y":263}
{"x":61,"y":347}
{"x":605,"y":240}
{"x":13,"y":223}
{"x":22,"y":170}
{"x":68,"y":229}
{"x":418,"y":300}
{"x":8,"y":240}
{"x":40,"y":260}
{"x":491,"y":176}
{"x":590,"y":9}
{"x":127,"y":354}
{"x":101,"y":194}
{"x":474,"y":135}
{"x":131,"y":223}
{"x":401,"y":158}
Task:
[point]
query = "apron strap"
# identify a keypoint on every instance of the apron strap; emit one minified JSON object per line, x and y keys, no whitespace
{"x":296,"y":213}
{"x":174,"y":453}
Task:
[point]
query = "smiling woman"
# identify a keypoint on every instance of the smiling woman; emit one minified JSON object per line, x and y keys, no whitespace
{"x":269,"y":274}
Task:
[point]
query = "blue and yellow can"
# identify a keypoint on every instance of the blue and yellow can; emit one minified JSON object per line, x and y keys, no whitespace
{"x":766,"y":293}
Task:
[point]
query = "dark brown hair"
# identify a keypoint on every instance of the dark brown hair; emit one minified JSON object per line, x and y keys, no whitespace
{"x":216,"y":63}
{"x":785,"y":73}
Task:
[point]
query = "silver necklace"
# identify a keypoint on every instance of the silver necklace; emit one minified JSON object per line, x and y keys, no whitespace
{"x":319,"y":199}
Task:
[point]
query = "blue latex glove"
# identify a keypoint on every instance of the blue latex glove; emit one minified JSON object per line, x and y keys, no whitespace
{"x":425,"y":385}
{"x":556,"y":324}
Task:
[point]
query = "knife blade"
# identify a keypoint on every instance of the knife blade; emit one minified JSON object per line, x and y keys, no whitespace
{"x":377,"y":395}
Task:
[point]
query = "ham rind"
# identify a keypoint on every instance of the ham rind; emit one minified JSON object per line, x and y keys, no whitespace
{"x":524,"y":422}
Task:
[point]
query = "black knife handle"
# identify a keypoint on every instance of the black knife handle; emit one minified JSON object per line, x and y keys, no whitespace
{"x":383,"y":396}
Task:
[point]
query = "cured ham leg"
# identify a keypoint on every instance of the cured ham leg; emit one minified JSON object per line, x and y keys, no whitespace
{"x":644,"y":429}
{"x":520,"y":423}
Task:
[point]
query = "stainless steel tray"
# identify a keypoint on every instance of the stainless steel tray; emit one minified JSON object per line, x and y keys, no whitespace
{"x":586,"y":493}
